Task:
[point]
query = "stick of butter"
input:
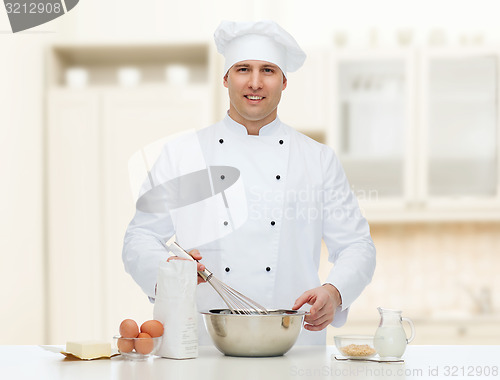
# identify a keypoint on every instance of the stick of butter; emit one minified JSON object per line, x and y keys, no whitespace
{"x":89,"y":349}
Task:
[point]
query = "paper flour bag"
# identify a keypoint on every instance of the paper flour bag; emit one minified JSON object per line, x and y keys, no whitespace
{"x":175,"y":307}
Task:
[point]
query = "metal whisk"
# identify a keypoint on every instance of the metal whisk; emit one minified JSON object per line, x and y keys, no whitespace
{"x":235,"y":301}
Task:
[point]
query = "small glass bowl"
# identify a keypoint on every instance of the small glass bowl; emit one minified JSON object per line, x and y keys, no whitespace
{"x":144,"y":343}
{"x":355,"y":346}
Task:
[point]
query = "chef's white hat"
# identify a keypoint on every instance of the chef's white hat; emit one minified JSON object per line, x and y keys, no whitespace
{"x":262,"y":41}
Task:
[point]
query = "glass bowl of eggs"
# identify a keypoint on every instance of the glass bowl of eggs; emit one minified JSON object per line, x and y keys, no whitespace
{"x":140,"y":348}
{"x":135,"y":344}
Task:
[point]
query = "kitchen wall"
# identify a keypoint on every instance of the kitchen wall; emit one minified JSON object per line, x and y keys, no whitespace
{"x":422,"y":268}
{"x":442,"y":275}
{"x":434,"y":268}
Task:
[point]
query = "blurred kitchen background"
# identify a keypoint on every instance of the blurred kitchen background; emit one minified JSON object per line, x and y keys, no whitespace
{"x":406,"y":92}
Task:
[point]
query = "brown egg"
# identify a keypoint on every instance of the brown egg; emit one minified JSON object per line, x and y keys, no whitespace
{"x":145,"y":345}
{"x":125,"y":345}
{"x":129,"y":329}
{"x":153,"y":328}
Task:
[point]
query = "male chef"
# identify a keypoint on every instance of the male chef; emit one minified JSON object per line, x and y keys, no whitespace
{"x":253,"y":198}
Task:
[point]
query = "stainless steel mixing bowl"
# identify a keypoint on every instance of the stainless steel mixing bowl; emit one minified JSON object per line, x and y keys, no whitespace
{"x":253,"y":335}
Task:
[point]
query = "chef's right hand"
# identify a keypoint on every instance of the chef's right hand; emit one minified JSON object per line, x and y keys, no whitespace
{"x":195,"y":254}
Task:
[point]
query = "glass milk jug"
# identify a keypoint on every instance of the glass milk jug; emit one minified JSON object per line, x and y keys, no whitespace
{"x":390,"y":338}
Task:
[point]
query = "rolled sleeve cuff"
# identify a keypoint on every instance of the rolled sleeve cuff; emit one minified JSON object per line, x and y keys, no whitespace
{"x":340,"y":317}
{"x":343,"y":294}
{"x":341,"y":311}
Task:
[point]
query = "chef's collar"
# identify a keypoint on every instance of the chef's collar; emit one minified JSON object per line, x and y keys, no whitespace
{"x":267,"y":130}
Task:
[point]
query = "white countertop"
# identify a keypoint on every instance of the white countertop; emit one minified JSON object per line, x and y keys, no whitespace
{"x":301,"y":362}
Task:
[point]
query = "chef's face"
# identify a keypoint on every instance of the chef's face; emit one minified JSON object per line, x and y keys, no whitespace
{"x":254,"y":92}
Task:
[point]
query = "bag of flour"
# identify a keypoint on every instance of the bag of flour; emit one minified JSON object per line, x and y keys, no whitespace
{"x":175,"y":307}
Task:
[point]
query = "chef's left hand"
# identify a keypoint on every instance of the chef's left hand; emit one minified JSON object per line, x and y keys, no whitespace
{"x":324,"y":300}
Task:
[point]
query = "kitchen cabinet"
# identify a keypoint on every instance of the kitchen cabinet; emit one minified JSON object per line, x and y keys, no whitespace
{"x":373,"y":121}
{"x":460,"y":134}
{"x":74,"y":228}
{"x":417,"y":132}
{"x":91,"y":136}
{"x":92,"y":132}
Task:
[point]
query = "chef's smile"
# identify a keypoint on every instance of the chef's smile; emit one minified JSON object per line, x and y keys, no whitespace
{"x":254,"y":98}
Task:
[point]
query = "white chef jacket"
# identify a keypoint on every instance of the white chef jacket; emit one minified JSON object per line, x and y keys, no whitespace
{"x":296,"y":194}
